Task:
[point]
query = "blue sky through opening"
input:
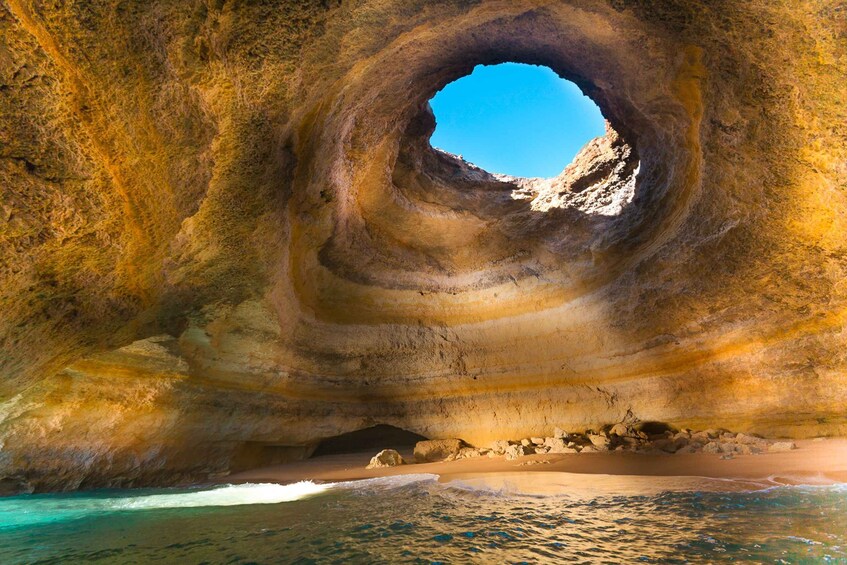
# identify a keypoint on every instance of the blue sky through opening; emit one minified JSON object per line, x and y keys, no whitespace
{"x":515,"y":119}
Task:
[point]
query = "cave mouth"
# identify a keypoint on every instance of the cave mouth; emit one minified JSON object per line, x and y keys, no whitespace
{"x":515,"y":119}
{"x":374,"y":438}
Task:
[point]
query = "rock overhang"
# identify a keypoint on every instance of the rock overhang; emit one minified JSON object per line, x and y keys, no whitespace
{"x":272,"y":254}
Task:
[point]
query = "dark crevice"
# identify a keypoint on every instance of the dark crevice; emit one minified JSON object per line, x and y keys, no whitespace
{"x":374,"y":439}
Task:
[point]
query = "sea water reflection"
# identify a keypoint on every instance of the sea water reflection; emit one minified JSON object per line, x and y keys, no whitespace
{"x":417,"y":519}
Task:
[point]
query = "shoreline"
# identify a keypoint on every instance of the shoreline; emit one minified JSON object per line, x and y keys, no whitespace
{"x":814,"y":462}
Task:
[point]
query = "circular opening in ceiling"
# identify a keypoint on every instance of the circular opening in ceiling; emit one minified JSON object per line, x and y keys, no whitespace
{"x":515,"y":119}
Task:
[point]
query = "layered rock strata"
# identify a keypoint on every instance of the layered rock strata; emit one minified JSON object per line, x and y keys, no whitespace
{"x":224,"y":236}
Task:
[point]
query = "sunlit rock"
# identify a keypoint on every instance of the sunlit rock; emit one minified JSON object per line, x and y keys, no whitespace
{"x":386,"y":458}
{"x":225,"y":237}
{"x":437,"y":450}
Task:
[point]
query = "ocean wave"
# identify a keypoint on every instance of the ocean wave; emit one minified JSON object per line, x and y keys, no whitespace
{"x":39,"y":509}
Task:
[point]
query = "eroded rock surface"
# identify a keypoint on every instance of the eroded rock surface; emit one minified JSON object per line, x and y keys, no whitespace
{"x":223,"y":230}
{"x":437,"y":450}
{"x":386,"y":458}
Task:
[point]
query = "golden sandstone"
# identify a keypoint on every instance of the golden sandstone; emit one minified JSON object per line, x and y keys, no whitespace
{"x":223,"y":230}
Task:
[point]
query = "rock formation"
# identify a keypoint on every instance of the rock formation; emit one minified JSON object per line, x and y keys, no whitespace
{"x":386,"y":458}
{"x":438,"y":450}
{"x":223,"y":230}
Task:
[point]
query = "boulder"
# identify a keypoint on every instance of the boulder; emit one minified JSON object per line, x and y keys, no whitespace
{"x":386,"y":458}
{"x":667,"y":444}
{"x":747,"y":449}
{"x":470,"y":452}
{"x":683,"y":435}
{"x":701,"y":437}
{"x":499,"y":446}
{"x":712,"y":447}
{"x":622,"y":430}
{"x":560,"y":433}
{"x":748,"y":439}
{"x":433,"y":450}
{"x":555,"y":444}
{"x":526,"y":442}
{"x":516,"y":451}
{"x":537,"y":440}
{"x":628,"y":441}
{"x":559,"y":445}
{"x":780,"y":446}
{"x":599,"y":441}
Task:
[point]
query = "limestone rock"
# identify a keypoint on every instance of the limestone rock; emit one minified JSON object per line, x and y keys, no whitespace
{"x":747,"y":449}
{"x":386,"y":458}
{"x":781,"y":446}
{"x":622,"y":430}
{"x":499,"y":447}
{"x":554,"y":443}
{"x":748,"y":439}
{"x":515,"y":451}
{"x":558,"y":445}
{"x":224,"y":230}
{"x":600,"y":442}
{"x":437,"y":450}
{"x":666,"y":444}
{"x":471,"y":452}
{"x":712,"y":447}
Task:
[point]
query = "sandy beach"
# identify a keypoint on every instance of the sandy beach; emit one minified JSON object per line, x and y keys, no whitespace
{"x":819,"y":461}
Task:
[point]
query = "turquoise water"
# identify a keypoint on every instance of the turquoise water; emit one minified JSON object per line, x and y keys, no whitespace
{"x":415,"y":519}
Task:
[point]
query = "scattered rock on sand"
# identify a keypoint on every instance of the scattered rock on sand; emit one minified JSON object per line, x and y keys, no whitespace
{"x":555,"y":444}
{"x":779,"y":446}
{"x":500,"y":446}
{"x":712,"y":447}
{"x":667,"y":445}
{"x":621,"y":430}
{"x":747,"y":449}
{"x":433,"y":450}
{"x":386,"y":458}
{"x":515,"y":451}
{"x":648,"y":438}
{"x":748,"y":439}
{"x":601,"y":442}
{"x":471,"y":452}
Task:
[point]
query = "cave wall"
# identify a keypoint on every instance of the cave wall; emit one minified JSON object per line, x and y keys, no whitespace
{"x":221,"y":224}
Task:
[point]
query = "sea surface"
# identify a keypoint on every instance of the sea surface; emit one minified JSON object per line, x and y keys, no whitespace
{"x":416,"y":519}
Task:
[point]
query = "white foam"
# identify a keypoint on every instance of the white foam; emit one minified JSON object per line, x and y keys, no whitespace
{"x":39,"y":509}
{"x":390,"y":482}
{"x":229,"y":495}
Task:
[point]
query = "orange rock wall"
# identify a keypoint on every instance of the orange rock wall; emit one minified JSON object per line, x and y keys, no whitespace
{"x":221,"y":225}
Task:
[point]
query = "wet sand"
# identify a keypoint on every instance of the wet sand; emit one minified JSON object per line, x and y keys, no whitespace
{"x":813,"y":462}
